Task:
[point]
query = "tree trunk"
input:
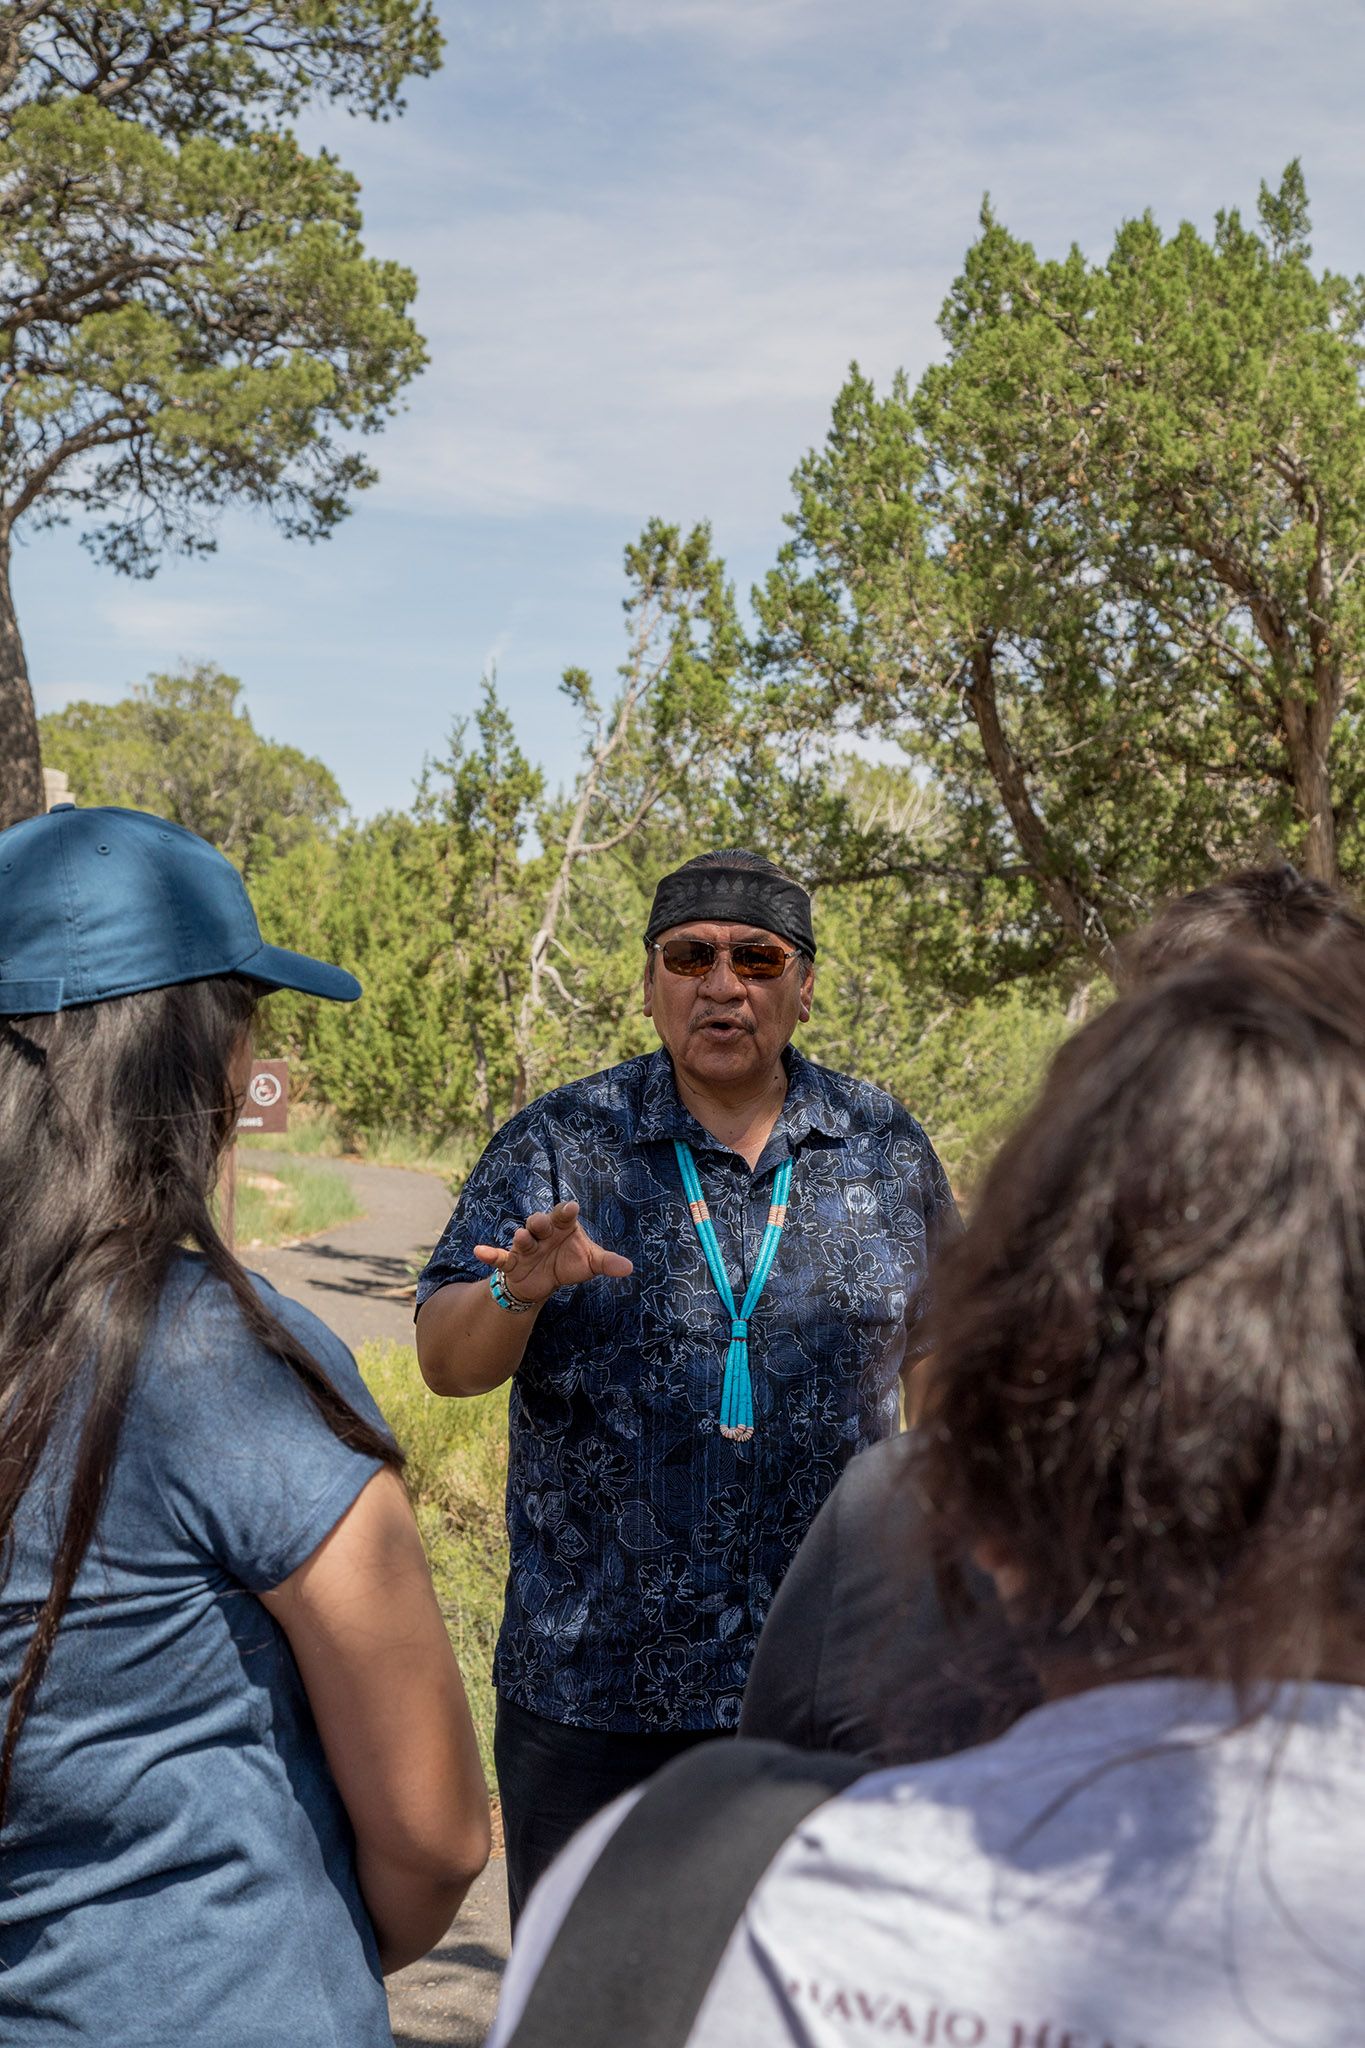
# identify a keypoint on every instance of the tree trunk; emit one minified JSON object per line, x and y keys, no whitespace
{"x":21,"y":768}
{"x":483,"y":1094}
{"x":1308,"y":723}
{"x":1078,"y":916}
{"x":558,"y":896}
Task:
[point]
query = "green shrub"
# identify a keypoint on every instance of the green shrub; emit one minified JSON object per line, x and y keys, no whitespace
{"x":316,"y":1132}
{"x":975,"y":1071}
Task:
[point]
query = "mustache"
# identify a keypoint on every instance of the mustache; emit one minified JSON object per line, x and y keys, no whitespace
{"x":720,"y":1017}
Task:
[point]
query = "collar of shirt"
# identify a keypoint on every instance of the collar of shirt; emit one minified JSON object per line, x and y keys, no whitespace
{"x":808,"y":1107}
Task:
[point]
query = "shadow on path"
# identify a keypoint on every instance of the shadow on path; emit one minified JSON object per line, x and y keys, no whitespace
{"x":356,"y":1276}
{"x":356,"y":1273}
{"x":450,"y":1996}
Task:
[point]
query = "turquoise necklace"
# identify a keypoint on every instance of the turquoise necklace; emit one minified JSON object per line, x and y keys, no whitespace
{"x":737,"y":1391}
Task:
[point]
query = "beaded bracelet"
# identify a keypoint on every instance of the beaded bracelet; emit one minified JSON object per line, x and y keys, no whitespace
{"x":504,"y":1297}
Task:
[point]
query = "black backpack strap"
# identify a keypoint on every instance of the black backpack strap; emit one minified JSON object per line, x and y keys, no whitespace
{"x":644,"y":1936}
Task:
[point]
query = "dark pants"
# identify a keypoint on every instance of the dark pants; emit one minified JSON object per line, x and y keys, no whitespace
{"x":552,"y":1778}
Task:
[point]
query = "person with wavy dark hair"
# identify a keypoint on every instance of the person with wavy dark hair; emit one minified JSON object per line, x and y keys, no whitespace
{"x":1145,"y":1420}
{"x":1148,"y":1414}
{"x":238,"y":1777}
{"x":857,"y":1655}
{"x":1270,"y":906}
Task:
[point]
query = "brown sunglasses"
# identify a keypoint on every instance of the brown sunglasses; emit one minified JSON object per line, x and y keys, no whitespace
{"x":750,"y":959}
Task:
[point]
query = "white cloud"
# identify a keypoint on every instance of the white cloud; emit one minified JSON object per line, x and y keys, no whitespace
{"x":748,"y":25}
{"x":675,"y":340}
{"x":627,"y":358}
{"x":173,"y":626}
{"x":55,"y":696}
{"x":664,"y":326}
{"x":498,"y":647}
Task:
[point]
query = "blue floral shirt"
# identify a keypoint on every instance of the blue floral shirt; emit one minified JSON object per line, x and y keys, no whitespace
{"x":645,"y":1546}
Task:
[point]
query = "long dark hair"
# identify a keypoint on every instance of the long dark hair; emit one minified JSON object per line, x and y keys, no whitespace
{"x":113,"y":1119}
{"x":1148,"y":1391}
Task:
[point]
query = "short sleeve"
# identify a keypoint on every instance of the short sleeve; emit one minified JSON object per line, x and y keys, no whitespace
{"x":942,"y":1224}
{"x":240,"y":1452}
{"x":857,"y":1656}
{"x":515,"y":1177}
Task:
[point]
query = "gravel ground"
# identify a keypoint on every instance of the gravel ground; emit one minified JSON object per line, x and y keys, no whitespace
{"x":356,"y":1278}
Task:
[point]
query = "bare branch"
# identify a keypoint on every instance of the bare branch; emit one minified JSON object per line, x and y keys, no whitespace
{"x":99,"y":434}
{"x":553,"y":975}
{"x":632,"y":824}
{"x":93,"y":294}
{"x":1078,"y":914}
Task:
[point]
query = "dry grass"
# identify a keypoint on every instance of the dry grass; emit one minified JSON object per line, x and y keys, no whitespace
{"x":316,"y":1133}
{"x":289,"y":1202}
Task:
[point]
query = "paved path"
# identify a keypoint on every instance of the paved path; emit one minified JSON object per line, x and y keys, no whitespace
{"x":449,"y":1997}
{"x":355,"y":1277}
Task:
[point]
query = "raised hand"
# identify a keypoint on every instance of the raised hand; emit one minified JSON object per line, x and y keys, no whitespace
{"x":552,"y":1250}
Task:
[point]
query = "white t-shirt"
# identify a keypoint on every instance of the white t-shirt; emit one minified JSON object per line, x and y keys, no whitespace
{"x":1123,"y":1869}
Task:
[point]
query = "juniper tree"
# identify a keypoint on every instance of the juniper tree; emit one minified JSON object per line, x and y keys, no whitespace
{"x":188,"y":317}
{"x":1102,"y":573}
{"x":184,"y":746}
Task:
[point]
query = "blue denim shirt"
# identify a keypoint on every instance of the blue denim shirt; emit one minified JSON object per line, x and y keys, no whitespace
{"x":178,"y":1865}
{"x":645,"y":1546}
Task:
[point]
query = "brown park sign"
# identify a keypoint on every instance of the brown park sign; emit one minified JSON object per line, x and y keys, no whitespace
{"x":266,"y":1107}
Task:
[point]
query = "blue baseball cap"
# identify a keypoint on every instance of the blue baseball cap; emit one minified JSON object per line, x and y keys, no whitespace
{"x":105,"y":902}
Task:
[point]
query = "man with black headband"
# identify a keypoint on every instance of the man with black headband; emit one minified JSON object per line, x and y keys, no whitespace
{"x":702,"y":1271}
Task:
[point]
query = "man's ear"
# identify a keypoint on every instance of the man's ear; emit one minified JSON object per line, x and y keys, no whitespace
{"x":807,"y":997}
{"x":648,"y":991}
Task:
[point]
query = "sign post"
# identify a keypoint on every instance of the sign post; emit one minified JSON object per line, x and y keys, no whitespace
{"x":265,"y":1108}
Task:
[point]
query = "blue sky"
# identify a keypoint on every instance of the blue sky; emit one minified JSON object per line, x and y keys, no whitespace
{"x":651,"y":235}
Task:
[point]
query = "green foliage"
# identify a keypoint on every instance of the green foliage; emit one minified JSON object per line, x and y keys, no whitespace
{"x":183,"y":68}
{"x":1101,"y":576}
{"x":188,"y":317}
{"x":974,"y":1069}
{"x":477,"y":805}
{"x":184,"y":747}
{"x":966,"y":1069}
{"x":366,"y":901}
{"x":457,"y":1477}
{"x":434,"y":914}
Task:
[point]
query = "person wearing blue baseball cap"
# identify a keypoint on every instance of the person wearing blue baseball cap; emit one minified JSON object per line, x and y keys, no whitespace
{"x":238,"y":1777}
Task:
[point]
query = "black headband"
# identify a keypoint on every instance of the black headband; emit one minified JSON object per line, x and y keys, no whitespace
{"x":758,"y":896}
